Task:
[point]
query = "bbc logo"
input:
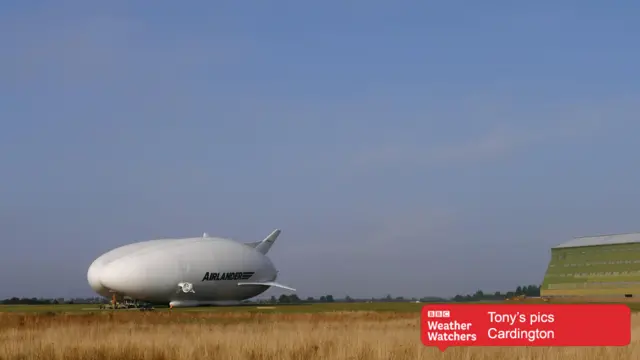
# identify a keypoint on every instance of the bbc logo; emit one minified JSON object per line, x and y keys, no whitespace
{"x":438,"y":314}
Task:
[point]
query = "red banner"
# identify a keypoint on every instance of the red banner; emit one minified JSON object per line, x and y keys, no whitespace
{"x":445,"y":325}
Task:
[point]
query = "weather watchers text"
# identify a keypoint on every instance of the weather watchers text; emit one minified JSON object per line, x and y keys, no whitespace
{"x":525,"y":325}
{"x":450,"y":331}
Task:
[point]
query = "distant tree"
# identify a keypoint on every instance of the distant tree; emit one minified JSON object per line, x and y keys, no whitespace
{"x":273,"y":300}
{"x":310,"y":299}
{"x":348,"y":298}
{"x":323,"y":298}
{"x":532,"y":290}
{"x":329,"y":298}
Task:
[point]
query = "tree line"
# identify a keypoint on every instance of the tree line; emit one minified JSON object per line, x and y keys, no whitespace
{"x":44,"y":301}
{"x":527,"y":290}
{"x":294,"y":299}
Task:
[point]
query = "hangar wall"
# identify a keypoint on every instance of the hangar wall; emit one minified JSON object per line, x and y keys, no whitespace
{"x":594,"y":270}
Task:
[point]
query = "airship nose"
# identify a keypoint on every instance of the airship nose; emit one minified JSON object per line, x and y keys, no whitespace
{"x":93,"y":277}
{"x":142,"y":278}
{"x":120,"y":276}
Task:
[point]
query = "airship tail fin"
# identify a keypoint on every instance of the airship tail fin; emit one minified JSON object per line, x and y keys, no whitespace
{"x":264,"y":245}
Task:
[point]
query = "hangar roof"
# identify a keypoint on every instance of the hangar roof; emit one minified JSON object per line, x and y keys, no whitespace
{"x":601,"y":240}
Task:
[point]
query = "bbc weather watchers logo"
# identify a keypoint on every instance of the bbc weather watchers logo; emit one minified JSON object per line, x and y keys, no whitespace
{"x":438,"y":314}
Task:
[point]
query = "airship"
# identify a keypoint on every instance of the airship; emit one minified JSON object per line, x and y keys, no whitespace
{"x":187,"y":272}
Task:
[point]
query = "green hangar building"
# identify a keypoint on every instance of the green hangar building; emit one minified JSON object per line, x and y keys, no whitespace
{"x":596,"y":266}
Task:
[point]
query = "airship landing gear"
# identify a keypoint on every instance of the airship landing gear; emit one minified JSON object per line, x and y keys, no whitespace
{"x":119,"y":301}
{"x":114,"y":300}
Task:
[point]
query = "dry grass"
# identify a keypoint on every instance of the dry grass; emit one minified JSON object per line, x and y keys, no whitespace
{"x":193,"y":336}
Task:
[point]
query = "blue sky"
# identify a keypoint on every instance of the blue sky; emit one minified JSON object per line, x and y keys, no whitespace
{"x":413,"y":149}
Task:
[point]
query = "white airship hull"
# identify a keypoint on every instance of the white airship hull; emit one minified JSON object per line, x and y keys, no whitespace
{"x":186,"y":272}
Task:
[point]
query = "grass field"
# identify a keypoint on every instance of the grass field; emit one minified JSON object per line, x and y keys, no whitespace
{"x":324,"y":331}
{"x":302,"y":308}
